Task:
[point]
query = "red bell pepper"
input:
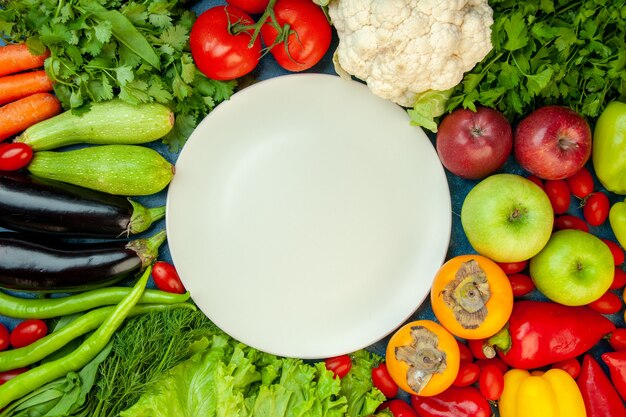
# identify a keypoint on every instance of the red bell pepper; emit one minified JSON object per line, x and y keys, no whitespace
{"x":616,"y":362}
{"x":541,"y":333}
{"x":601,"y":399}
{"x":453,"y":402}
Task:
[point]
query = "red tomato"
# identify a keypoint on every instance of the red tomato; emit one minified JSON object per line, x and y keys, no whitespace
{"x":477,"y":347}
{"x":308,"y":38}
{"x":521,"y":284}
{"x":398,"y":408}
{"x":581,"y":183}
{"x":220,"y":50}
{"x":250,"y":6}
{"x":567,"y":221}
{"x":559,"y":195}
{"x":616,"y":251}
{"x":596,"y":208}
{"x":4,"y":338}
{"x":7,"y":375}
{"x":608,"y":303}
{"x":513,"y":267}
{"x":617,"y":340}
{"x":166,"y":278}
{"x":383,"y":381}
{"x":14,"y":156}
{"x":491,"y":382}
{"x":571,"y":366}
{"x":499,"y":363}
{"x":468,"y":374}
{"x":537,"y":181}
{"x":27,"y":332}
{"x":339,"y":365}
{"x":619,"y":279}
{"x":465,"y":354}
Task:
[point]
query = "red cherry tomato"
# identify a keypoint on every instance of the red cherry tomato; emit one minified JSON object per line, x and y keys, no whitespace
{"x":596,"y":208}
{"x":476,"y":346}
{"x":567,"y":221}
{"x":521,"y":284}
{"x":616,"y":251}
{"x":249,"y":6}
{"x":537,"y":181}
{"x":617,"y":339}
{"x":7,"y":375}
{"x":559,"y":195}
{"x":581,"y":183}
{"x":491,"y":382}
{"x":468,"y":374}
{"x":398,"y":408}
{"x":608,"y":303}
{"x":383,"y":381}
{"x":27,"y":332}
{"x":309,"y":37}
{"x":166,"y":278}
{"x":465,"y":354}
{"x":4,"y":338}
{"x":339,"y":365}
{"x":513,"y":267}
{"x":502,"y":366}
{"x":619,"y":278}
{"x":571,"y":366}
{"x":14,"y":156}
{"x":218,"y":48}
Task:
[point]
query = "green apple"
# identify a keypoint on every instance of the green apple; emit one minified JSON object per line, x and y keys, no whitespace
{"x":507,"y":218}
{"x":574,"y":268}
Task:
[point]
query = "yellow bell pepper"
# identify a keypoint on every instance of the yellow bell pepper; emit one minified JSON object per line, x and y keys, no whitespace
{"x":550,"y":394}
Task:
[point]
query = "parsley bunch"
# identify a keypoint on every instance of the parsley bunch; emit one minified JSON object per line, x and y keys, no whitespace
{"x":567,"y":52}
{"x":137,"y":51}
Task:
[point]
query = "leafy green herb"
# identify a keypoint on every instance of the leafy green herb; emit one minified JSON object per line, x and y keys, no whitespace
{"x":567,"y":52}
{"x":101,"y":49}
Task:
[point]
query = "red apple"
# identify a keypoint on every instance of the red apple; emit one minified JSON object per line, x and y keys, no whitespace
{"x":553,"y":142}
{"x":473,"y":145}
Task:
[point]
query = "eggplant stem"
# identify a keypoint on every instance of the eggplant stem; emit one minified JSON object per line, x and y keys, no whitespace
{"x":143,"y":217}
{"x":148,"y":249}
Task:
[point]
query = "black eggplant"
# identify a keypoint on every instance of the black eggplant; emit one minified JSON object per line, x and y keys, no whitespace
{"x":47,"y":265}
{"x":37,"y":205}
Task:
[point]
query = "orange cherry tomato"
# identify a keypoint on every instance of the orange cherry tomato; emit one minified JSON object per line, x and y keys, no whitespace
{"x":423,"y":358}
{"x":472,"y":297}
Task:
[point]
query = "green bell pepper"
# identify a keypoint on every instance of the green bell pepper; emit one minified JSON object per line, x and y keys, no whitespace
{"x":609,"y":148}
{"x":617,"y":219}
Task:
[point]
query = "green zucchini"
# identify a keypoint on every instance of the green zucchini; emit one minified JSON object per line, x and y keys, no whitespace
{"x":105,"y":123}
{"x":128,"y":170}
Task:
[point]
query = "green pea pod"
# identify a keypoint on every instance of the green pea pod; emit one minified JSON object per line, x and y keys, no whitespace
{"x":609,"y":148}
{"x":617,"y":219}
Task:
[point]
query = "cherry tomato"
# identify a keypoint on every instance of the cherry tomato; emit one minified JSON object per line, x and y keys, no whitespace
{"x":537,"y":181}
{"x":513,"y":267}
{"x":559,"y":195}
{"x":619,"y":279}
{"x":249,"y":6}
{"x":608,"y":303}
{"x":482,"y":363}
{"x":398,"y":408}
{"x":383,"y":381}
{"x":221,"y":50}
{"x":491,"y":382}
{"x":339,"y":365}
{"x":477,"y":347}
{"x":468,"y":374}
{"x":617,"y":340}
{"x":4,"y":338}
{"x":27,"y":332}
{"x":571,"y":366}
{"x":581,"y":183}
{"x":166,"y":278}
{"x":465,"y":354}
{"x":14,"y":156}
{"x":596,"y":208}
{"x":7,"y":375}
{"x":309,"y":34}
{"x":567,"y":221}
{"x":521,"y":284}
{"x":616,"y":251}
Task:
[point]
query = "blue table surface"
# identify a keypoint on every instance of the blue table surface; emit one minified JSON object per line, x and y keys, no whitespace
{"x":459,"y":187}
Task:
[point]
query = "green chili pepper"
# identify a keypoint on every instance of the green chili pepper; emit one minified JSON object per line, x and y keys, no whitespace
{"x":37,"y":308}
{"x":609,"y":148}
{"x":36,"y":377}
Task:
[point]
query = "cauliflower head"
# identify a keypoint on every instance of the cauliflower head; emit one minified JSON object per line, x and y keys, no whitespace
{"x":402,"y":48}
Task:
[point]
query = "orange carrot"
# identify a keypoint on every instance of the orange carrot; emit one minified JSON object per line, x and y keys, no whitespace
{"x":13,"y":87}
{"x":25,"y":112}
{"x":16,"y":58}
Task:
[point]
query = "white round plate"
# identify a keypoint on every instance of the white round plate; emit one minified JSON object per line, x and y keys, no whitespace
{"x":307,"y":217}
